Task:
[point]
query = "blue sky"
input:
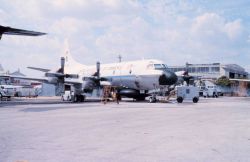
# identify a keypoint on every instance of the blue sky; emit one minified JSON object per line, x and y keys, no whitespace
{"x":194,"y":31}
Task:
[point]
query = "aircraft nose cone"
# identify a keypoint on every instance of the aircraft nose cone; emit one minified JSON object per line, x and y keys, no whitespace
{"x":167,"y":78}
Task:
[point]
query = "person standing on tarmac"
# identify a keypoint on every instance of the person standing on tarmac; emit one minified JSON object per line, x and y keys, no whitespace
{"x":117,"y":97}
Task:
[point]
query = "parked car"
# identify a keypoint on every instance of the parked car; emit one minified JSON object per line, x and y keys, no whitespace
{"x":210,"y":91}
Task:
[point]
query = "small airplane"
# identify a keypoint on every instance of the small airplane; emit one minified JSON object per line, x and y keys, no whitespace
{"x":14,"y":31}
{"x":133,"y":79}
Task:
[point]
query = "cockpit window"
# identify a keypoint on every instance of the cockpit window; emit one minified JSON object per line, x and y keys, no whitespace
{"x":160,"y":66}
{"x":165,"y":66}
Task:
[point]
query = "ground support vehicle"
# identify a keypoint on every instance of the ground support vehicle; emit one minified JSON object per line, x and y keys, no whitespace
{"x":5,"y":96}
{"x":187,"y":93}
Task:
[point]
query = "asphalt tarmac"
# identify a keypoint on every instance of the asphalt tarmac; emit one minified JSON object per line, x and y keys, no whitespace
{"x":48,"y":130}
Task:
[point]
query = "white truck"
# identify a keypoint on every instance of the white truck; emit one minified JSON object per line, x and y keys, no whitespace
{"x":209,"y":89}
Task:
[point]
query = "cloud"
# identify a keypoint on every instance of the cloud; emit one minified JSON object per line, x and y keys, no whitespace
{"x":63,"y":4}
{"x":176,"y":32}
{"x":3,"y":16}
{"x":234,"y":29}
{"x":211,"y":24}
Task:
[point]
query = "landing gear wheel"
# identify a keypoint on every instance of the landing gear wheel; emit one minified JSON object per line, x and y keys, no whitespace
{"x":152,"y":99}
{"x":79,"y":98}
{"x":195,"y":99}
{"x":179,"y":99}
{"x":82,"y":98}
{"x":76,"y":98}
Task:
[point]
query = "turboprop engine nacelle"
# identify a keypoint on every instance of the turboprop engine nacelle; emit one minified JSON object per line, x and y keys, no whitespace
{"x":53,"y":80}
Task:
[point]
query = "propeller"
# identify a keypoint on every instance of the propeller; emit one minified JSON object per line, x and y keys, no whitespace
{"x":97,"y":73}
{"x":60,"y":76}
{"x":97,"y":77}
{"x":60,"y":73}
{"x":62,"y":65}
{"x":98,"y":66}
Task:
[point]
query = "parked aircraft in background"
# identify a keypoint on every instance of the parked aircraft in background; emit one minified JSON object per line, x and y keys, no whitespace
{"x":240,"y":80}
{"x":14,"y":31}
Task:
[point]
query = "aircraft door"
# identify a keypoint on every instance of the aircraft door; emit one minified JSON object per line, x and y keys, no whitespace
{"x":137,"y":82}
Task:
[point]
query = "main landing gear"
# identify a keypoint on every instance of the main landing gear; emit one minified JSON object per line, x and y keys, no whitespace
{"x":79,"y":98}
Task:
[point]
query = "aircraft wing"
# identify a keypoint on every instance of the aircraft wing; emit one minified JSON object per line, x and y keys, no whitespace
{"x":44,"y":80}
{"x":15,"y":31}
{"x":39,"y":69}
{"x":29,"y":78}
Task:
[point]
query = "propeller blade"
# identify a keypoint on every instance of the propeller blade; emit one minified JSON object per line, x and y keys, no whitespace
{"x":98,"y":66}
{"x":62,"y":64}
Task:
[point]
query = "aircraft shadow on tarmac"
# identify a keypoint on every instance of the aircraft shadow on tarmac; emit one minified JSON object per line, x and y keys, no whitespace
{"x":87,"y":104}
{"x":42,"y":102}
{"x":42,"y":109}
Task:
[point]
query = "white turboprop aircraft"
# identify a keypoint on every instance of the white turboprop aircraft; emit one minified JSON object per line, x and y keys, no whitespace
{"x":133,"y":79}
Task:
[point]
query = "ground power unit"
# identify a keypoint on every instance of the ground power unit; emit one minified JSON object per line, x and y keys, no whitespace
{"x":187,"y":93}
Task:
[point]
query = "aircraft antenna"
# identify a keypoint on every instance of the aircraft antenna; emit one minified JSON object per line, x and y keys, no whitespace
{"x":120,"y":58}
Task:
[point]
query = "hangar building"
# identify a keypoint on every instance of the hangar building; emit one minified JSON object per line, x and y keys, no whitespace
{"x":213,"y":70}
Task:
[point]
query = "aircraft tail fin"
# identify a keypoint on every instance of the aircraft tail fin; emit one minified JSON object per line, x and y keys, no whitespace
{"x":71,"y":65}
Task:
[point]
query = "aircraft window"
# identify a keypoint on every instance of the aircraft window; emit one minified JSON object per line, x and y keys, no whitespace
{"x":158,"y":66}
{"x":165,"y":66}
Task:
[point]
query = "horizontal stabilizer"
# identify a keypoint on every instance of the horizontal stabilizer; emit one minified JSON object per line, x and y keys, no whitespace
{"x":39,"y":69}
